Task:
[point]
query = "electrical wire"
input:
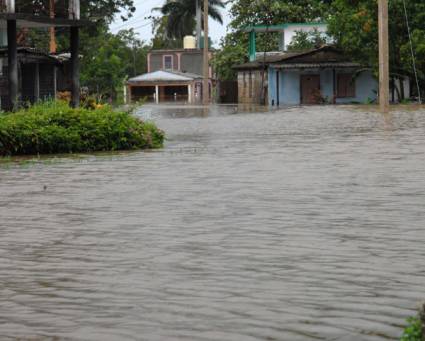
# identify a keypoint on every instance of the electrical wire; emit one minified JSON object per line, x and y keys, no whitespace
{"x":412,"y":52}
{"x":134,"y":20}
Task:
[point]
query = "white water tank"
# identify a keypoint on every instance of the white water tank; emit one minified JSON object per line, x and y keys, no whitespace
{"x":189,"y":42}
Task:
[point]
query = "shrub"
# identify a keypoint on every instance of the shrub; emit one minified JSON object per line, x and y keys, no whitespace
{"x":413,"y":332}
{"x":54,"y":127}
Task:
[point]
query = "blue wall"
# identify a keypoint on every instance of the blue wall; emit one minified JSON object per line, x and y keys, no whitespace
{"x":289,"y":86}
{"x":366,"y":89}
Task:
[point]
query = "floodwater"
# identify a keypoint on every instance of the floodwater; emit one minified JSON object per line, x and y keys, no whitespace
{"x":298,"y":224}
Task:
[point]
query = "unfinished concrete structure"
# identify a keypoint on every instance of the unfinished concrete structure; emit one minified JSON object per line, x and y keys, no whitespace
{"x":15,"y":14}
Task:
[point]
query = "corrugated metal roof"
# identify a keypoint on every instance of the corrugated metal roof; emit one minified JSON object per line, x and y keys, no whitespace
{"x":310,"y":58}
{"x":30,"y":51}
{"x":316,"y":65}
{"x":165,"y":76}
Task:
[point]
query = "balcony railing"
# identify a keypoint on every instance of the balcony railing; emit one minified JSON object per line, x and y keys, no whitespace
{"x":63,"y":9}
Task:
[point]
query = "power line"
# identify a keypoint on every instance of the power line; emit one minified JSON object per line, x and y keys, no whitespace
{"x":136,"y":19}
{"x":412,"y":52}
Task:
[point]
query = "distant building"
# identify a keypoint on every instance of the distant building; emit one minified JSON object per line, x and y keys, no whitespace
{"x":320,"y":75}
{"x":165,"y":86}
{"x":173,"y":75}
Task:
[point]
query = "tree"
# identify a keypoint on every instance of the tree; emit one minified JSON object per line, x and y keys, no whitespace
{"x":160,"y":39}
{"x":99,"y":10}
{"x":354,"y":27}
{"x":251,"y":12}
{"x":244,"y":13}
{"x":181,"y":15}
{"x":306,"y":40}
{"x":111,"y":59}
{"x":231,"y":53}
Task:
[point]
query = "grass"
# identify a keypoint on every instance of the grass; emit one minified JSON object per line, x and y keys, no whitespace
{"x":54,"y":127}
{"x":413,"y":331}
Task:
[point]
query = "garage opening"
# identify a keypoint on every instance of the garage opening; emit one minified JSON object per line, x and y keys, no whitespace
{"x":174,"y":93}
{"x":143,"y":92}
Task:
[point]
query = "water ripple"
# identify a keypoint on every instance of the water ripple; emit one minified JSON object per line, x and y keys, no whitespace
{"x":298,"y":224}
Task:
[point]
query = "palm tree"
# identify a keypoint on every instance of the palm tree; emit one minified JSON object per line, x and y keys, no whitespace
{"x":181,"y":15}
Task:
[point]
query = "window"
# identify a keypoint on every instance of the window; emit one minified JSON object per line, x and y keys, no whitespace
{"x":244,"y":80}
{"x":346,"y":85}
{"x":168,"y":63}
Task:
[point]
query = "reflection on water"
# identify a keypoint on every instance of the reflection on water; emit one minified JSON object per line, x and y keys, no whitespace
{"x":298,"y":224}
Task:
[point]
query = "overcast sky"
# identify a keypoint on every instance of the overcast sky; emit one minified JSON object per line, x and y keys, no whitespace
{"x":144,"y":28}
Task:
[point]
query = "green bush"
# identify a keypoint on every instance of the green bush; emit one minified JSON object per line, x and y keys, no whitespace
{"x":54,"y":127}
{"x":413,"y":332}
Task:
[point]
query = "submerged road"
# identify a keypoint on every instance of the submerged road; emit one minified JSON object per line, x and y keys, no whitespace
{"x":298,"y":224}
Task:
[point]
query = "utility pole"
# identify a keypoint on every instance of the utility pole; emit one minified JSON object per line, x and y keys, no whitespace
{"x":205,"y":87}
{"x":384,"y":69}
{"x":52,"y":45}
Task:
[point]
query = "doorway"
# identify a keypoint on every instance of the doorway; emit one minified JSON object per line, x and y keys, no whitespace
{"x":310,"y":89}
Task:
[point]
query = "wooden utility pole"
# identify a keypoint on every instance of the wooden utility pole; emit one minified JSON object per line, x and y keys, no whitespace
{"x":205,"y":87}
{"x":384,"y":69}
{"x":52,"y":45}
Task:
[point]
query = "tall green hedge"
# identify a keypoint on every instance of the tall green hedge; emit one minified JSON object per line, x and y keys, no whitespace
{"x":54,"y":127}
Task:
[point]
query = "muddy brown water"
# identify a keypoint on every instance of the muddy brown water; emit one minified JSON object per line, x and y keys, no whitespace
{"x":298,"y":224}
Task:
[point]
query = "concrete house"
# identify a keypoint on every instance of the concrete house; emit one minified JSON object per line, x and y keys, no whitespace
{"x":321,"y":75}
{"x":173,"y":75}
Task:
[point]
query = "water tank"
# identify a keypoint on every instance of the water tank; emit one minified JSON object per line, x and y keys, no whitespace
{"x":189,"y":42}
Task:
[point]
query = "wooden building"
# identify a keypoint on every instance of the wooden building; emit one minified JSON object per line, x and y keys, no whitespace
{"x":15,"y":14}
{"x":40,"y":76}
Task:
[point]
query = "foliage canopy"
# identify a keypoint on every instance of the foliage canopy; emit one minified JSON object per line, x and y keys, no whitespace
{"x":54,"y":127}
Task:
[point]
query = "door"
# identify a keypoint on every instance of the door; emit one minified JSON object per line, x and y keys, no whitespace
{"x":310,"y":89}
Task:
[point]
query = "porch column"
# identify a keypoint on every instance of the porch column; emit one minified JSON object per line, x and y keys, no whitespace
{"x":55,"y":81}
{"x":157,"y":94}
{"x":12,"y":55}
{"x":189,"y":93}
{"x":75,"y":67}
{"x":129,"y":94}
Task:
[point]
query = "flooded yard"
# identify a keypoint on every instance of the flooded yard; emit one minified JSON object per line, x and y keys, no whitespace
{"x":298,"y":224}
